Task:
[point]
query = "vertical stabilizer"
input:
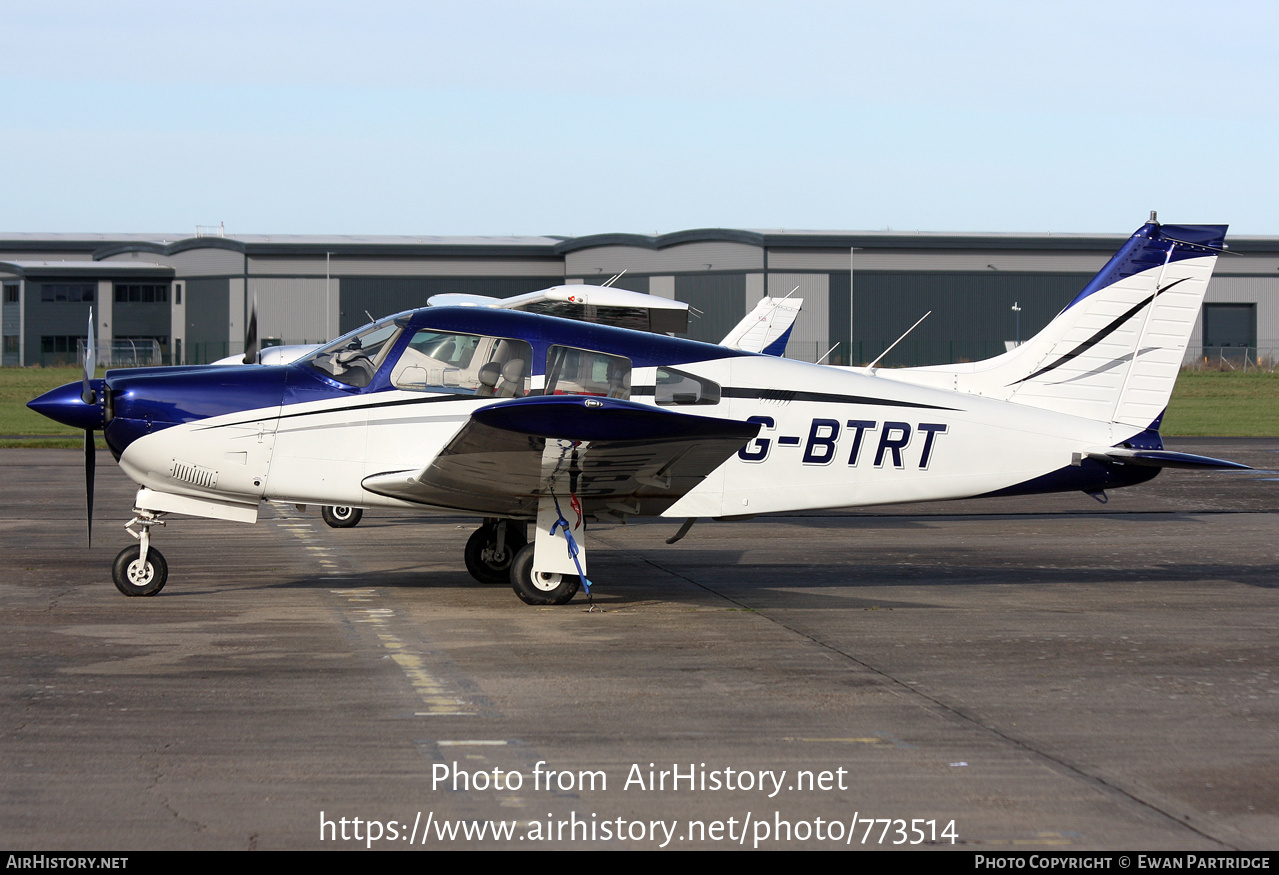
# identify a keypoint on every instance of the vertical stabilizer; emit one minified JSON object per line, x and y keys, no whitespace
{"x":1114,"y":352}
{"x":766,"y":328}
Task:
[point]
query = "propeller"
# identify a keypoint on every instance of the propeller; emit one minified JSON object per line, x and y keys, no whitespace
{"x":89,"y":396}
{"x":251,"y":335}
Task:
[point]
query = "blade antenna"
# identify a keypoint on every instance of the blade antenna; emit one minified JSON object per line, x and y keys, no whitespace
{"x":898,"y":340}
{"x":614,"y":278}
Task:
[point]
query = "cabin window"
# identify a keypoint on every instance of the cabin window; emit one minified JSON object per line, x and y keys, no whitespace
{"x":354,"y":358}
{"x":678,"y":388}
{"x":572,"y":371}
{"x":488,"y":367}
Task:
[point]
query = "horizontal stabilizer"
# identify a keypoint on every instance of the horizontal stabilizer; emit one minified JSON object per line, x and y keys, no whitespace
{"x":1164,"y":459}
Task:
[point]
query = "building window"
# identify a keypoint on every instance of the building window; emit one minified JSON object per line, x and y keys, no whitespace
{"x":177,"y":293}
{"x":73,"y":293}
{"x":61,"y":343}
{"x":11,"y":294}
{"x":142,"y":293}
{"x":11,"y":345}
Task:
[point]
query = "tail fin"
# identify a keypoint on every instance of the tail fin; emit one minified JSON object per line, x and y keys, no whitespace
{"x":767,"y":328}
{"x":1114,"y":352}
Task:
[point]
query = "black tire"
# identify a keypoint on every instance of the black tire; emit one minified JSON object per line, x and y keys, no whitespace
{"x":132,"y":580}
{"x":341,"y":516}
{"x":481,"y":556}
{"x":548,"y":589}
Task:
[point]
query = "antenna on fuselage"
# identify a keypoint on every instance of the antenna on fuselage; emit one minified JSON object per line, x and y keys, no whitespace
{"x":614,"y":278}
{"x":871,"y":366}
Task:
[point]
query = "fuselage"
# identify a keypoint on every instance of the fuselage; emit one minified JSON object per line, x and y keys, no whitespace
{"x":316,"y":430}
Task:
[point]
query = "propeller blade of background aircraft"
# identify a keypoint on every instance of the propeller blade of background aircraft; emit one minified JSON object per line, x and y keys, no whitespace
{"x":90,"y":361}
{"x":251,"y":336}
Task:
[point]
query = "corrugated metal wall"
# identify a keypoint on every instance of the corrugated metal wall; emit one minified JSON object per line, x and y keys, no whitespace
{"x":832,"y":260}
{"x":207,"y":262}
{"x":720,"y":296}
{"x":382,"y":296}
{"x":841,"y":318}
{"x":1264,"y":291}
{"x":139,"y":319}
{"x":549,"y":269}
{"x":296,"y":310}
{"x":971,"y":313}
{"x":59,"y":319}
{"x":207,"y":303}
{"x":808,"y":339}
{"x":689,"y":257}
{"x":960,"y":262}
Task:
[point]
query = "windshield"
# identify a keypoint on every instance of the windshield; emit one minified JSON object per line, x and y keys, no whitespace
{"x":354,"y":358}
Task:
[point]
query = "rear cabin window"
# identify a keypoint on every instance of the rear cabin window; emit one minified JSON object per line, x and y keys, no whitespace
{"x":488,"y":367}
{"x":572,"y":371}
{"x":678,"y":388}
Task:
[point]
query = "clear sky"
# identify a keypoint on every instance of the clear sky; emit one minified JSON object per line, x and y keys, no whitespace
{"x":577,"y":118}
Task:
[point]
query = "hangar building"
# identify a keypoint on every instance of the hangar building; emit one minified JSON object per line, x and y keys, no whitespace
{"x":185,"y":299}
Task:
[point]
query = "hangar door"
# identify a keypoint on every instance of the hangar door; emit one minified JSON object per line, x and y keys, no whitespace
{"x":1230,"y":330}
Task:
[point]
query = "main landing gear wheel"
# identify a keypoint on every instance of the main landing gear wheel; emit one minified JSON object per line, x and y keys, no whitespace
{"x":484,"y":561}
{"x":541,"y":589}
{"x":342,"y":517}
{"x":135,"y":579}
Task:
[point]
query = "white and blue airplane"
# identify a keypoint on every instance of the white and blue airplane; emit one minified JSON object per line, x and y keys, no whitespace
{"x":766,"y":329}
{"x":519,"y":419}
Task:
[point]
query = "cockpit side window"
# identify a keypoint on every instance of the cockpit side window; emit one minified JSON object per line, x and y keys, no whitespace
{"x":354,"y":358}
{"x":678,"y":388}
{"x":472,"y":364}
{"x":572,"y":371}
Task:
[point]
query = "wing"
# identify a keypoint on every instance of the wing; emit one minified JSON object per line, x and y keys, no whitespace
{"x":617,"y":457}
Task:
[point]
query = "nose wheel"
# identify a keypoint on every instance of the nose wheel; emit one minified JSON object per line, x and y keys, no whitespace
{"x":135,"y":576}
{"x":341,"y":517}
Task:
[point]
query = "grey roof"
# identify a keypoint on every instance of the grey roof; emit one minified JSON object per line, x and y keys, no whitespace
{"x":96,"y":268}
{"x":551,"y":246}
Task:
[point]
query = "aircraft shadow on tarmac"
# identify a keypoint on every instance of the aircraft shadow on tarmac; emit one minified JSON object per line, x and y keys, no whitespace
{"x":715,"y":578}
